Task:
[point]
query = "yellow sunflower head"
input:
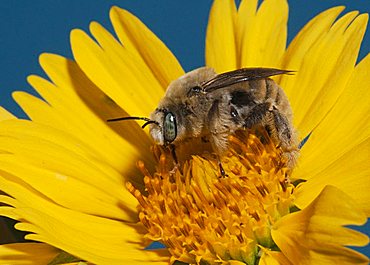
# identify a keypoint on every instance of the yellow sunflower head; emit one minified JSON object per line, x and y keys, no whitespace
{"x":85,"y":190}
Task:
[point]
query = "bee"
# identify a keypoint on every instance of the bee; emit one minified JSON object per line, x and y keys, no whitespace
{"x":201,"y":109}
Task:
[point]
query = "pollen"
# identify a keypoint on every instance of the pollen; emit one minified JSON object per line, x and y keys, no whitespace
{"x":204,"y":217}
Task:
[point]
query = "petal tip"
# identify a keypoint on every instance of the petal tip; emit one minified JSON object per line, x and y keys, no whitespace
{"x":45,"y":57}
{"x":42,"y":57}
{"x":364,"y":18}
{"x":118,"y":11}
{"x":75,"y":33}
{"x":31,"y":78}
{"x":94,"y":25}
{"x":337,"y":8}
{"x":115,"y":9}
{"x":18,"y":94}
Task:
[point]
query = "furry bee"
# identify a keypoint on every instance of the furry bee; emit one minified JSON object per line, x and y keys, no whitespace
{"x":201,"y":109}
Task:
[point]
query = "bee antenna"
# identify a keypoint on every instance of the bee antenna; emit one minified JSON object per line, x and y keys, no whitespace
{"x":148,"y":121}
{"x":129,"y":118}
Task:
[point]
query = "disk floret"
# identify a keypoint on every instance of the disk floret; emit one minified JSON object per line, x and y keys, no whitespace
{"x":202,"y":216}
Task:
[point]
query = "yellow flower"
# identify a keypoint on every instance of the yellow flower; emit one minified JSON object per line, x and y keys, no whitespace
{"x":69,"y":177}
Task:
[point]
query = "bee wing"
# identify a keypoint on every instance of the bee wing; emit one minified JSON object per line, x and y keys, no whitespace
{"x":240,"y":75}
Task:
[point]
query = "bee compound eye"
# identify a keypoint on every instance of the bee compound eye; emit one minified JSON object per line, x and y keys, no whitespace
{"x":169,"y":128}
{"x":196,"y":89}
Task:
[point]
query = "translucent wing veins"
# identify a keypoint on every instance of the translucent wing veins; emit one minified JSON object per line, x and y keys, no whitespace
{"x":240,"y":75}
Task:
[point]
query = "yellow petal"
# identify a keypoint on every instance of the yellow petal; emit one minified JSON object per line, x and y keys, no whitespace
{"x":81,"y":196}
{"x":264,"y":33}
{"x":220,"y":40}
{"x":245,"y":21}
{"x":323,"y":71}
{"x":102,"y":241}
{"x":311,"y":32}
{"x":139,"y":40}
{"x":6,"y":115}
{"x":121,"y":77}
{"x":347,"y":125}
{"x":350,"y":173}
{"x":316,"y":234}
{"x":27,"y":254}
{"x":51,"y":161}
{"x":77,"y":106}
{"x":338,"y":152}
{"x":273,"y":258}
{"x":118,"y":56}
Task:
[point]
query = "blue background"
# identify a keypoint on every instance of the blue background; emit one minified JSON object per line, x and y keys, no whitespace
{"x":29,"y":28}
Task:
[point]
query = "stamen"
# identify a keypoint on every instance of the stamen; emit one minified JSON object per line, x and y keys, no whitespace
{"x":205,"y":219}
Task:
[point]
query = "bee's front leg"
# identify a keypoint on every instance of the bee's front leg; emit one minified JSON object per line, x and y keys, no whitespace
{"x":173,"y":153}
{"x":176,"y":163}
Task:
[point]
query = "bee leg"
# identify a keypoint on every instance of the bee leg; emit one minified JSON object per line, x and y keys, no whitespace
{"x":217,"y":141}
{"x":175,"y":160}
{"x":287,"y":138}
{"x":173,"y":153}
{"x":222,"y":171}
{"x":277,"y":127}
{"x":258,"y":115}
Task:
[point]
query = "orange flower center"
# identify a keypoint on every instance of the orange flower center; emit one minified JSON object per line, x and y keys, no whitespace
{"x":205,"y":218}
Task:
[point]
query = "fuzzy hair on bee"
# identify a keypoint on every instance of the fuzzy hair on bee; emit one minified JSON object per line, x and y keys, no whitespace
{"x":201,"y":109}
{"x":206,"y":108}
